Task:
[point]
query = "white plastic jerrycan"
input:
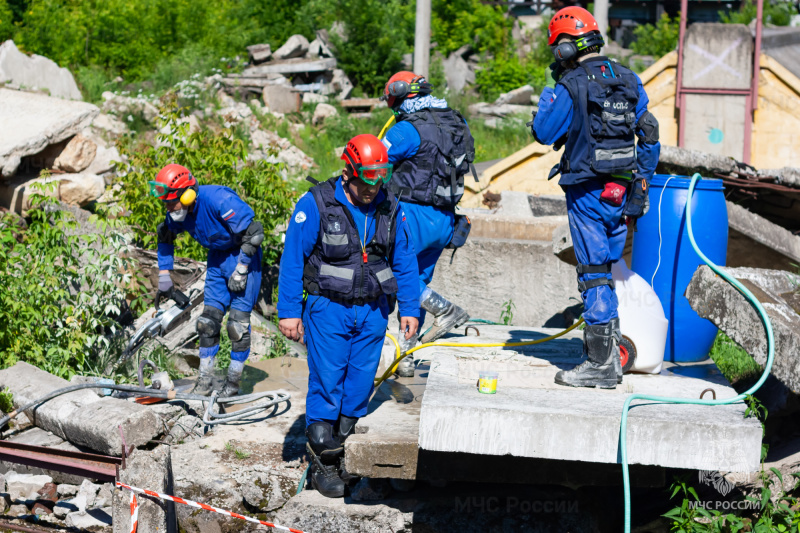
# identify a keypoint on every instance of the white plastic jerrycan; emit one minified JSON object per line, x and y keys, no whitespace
{"x":641,"y":320}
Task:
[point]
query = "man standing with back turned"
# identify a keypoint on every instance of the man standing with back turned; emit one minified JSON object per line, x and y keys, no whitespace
{"x":431,"y":148}
{"x":596,"y":109}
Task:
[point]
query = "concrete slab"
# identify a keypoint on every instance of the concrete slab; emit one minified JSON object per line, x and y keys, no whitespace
{"x":32,"y":121}
{"x":386,"y":445}
{"x":506,"y":265}
{"x":80,"y":417}
{"x":531,"y":416}
{"x":714,"y":299}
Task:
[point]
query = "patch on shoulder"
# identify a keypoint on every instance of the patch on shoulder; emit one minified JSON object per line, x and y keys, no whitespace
{"x":300,"y":217}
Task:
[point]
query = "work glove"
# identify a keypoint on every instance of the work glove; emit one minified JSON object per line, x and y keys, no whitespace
{"x":549,"y":77}
{"x":166,"y":290}
{"x":238,"y":280}
{"x":165,"y":287}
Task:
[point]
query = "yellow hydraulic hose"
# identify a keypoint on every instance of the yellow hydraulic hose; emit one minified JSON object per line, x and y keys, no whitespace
{"x":386,"y":127}
{"x":401,"y":356}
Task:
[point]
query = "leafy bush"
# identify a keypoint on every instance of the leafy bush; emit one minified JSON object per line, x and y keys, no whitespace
{"x":657,"y":40}
{"x":778,"y":13}
{"x":508,"y":72}
{"x":6,"y":21}
{"x":60,"y":289}
{"x":455,"y":23}
{"x":218,"y":158}
{"x":377,"y":35}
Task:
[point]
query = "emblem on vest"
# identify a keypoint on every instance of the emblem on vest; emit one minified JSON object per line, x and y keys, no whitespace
{"x":619,"y":106}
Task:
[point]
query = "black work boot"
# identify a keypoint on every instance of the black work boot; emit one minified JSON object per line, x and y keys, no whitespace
{"x":598,"y":369}
{"x":325,"y":451}
{"x":448,"y":315}
{"x":617,"y":339}
{"x":204,"y":383}
{"x":346,"y":427}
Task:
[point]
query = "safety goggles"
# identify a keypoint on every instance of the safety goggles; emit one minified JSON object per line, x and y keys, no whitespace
{"x":372,"y":174}
{"x":159,"y":190}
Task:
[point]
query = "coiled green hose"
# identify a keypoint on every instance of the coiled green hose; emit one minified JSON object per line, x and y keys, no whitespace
{"x":770,"y":356}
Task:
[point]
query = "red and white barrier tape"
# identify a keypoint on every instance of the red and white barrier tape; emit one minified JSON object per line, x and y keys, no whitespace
{"x":190,"y":503}
{"x":134,"y":512}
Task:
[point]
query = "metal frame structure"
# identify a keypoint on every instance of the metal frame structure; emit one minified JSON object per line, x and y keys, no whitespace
{"x":750,"y":94}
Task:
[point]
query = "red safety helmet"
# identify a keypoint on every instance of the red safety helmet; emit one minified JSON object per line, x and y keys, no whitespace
{"x":574,"y":21}
{"x":172,"y":182}
{"x":368,"y":158}
{"x":404,"y":85}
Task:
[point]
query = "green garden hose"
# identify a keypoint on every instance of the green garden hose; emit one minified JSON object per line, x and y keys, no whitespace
{"x":770,"y":356}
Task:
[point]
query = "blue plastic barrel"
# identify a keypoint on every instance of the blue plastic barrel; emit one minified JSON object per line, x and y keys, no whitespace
{"x":689,"y":337}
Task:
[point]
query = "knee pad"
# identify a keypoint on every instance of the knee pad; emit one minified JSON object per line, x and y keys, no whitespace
{"x":239,"y":330}
{"x":209,"y":326}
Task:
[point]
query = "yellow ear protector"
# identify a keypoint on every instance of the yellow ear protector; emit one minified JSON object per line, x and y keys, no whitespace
{"x":188,"y":196}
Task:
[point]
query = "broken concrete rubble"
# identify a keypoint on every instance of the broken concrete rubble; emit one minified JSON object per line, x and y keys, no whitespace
{"x":500,"y":110}
{"x":519,"y":96}
{"x":46,"y":121}
{"x":323,"y":112}
{"x":151,"y":470}
{"x":716,"y":300}
{"x":295,"y":46}
{"x":755,"y":241}
{"x":259,"y":53}
{"x":318,"y":48}
{"x":281,"y":99}
{"x":80,"y":417}
{"x":77,"y":155}
{"x":74,"y":189}
{"x":457,"y":72}
{"x":122,"y":106}
{"x":25,"y":486}
{"x":36,"y":72}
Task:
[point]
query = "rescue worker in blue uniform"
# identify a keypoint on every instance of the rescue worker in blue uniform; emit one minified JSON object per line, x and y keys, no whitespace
{"x":223,"y":223}
{"x":597,"y":110}
{"x":347,"y":247}
{"x":431,"y":148}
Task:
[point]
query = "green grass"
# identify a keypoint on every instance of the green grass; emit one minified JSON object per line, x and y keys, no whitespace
{"x":734,"y":363}
{"x":240,"y":454}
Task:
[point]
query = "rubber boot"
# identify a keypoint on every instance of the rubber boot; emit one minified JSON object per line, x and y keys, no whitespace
{"x":346,"y":427}
{"x":448,"y":315}
{"x":205,"y":380}
{"x":616,"y":339}
{"x":231,"y":387}
{"x":598,"y":369}
{"x":325,"y":451}
{"x":405,"y":369}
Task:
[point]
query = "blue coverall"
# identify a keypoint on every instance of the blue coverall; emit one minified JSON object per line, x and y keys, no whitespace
{"x":597,"y":228}
{"x":344,"y":341}
{"x":431,"y":228}
{"x":214,"y":221}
